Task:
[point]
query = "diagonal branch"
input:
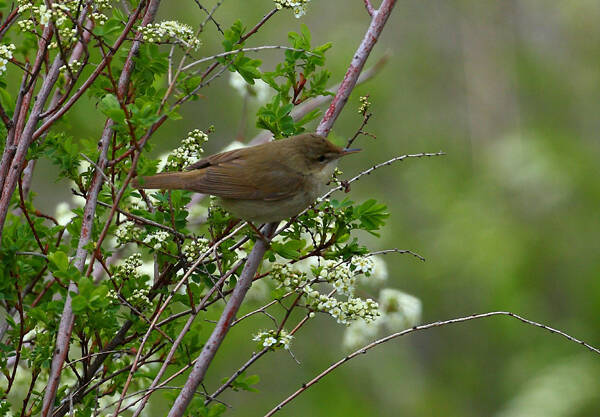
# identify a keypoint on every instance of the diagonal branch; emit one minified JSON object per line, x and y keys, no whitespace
{"x":255,"y":258}
{"x":414,"y":329}
{"x":222,"y":327}
{"x":356,"y":66}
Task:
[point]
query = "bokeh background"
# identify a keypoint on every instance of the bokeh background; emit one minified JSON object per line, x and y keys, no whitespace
{"x":508,"y":220}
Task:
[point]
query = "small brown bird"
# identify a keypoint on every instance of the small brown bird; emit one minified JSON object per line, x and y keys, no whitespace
{"x":264,"y":183}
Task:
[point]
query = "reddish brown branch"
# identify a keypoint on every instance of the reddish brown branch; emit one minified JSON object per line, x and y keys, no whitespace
{"x":222,"y":327}
{"x":67,"y":318}
{"x":358,"y":61}
{"x":369,"y":8}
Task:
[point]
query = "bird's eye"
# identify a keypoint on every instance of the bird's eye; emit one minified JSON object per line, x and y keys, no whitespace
{"x":321,"y":158}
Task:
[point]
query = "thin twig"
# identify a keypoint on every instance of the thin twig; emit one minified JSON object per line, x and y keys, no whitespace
{"x":369,"y":8}
{"x":368,"y":347}
{"x":236,"y":51}
{"x":386,"y":251}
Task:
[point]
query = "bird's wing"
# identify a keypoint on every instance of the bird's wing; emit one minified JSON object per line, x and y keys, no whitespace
{"x":228,"y":175}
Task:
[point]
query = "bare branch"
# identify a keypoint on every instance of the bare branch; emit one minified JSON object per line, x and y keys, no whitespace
{"x":386,"y":251}
{"x":236,"y":51}
{"x":222,"y":326}
{"x":369,"y":8}
{"x":358,"y":61}
{"x":368,"y":347}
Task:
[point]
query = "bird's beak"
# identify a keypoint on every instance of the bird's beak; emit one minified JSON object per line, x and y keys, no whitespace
{"x":348,"y":151}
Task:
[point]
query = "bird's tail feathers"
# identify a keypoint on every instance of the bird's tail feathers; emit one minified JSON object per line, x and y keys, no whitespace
{"x":165,"y":181}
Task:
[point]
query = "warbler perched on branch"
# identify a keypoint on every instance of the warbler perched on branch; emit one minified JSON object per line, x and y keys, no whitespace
{"x":263,"y":183}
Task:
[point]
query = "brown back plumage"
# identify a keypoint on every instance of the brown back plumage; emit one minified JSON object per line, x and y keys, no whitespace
{"x":270,"y":171}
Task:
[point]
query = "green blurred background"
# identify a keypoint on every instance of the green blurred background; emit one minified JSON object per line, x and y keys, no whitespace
{"x":508,"y":220}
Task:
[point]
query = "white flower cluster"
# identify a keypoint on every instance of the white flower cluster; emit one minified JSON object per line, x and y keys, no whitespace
{"x":157,"y":240}
{"x":99,"y":18}
{"x":343,"y":276}
{"x":362,"y":265}
{"x":127,"y":232}
{"x":113,"y":296}
{"x":128,"y":269}
{"x":269,"y":338}
{"x":340,"y":276}
{"x":360,"y":333}
{"x":298,"y":6}
{"x":289,"y":278}
{"x":364,"y":105}
{"x":6,"y":54}
{"x":74,"y":66}
{"x":170,"y":31}
{"x":140,"y":296}
{"x":345,"y":312}
{"x":399,"y":310}
{"x":189,"y":151}
{"x":59,"y":12}
{"x":194,"y":249}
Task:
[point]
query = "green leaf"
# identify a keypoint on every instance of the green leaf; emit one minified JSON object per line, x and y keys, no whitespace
{"x":60,"y":260}
{"x":288,"y":250}
{"x":109,"y":105}
{"x":79,"y":303}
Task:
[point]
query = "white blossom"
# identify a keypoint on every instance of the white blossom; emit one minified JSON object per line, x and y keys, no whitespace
{"x":270,"y":338}
{"x":188,"y":152}
{"x":399,"y":310}
{"x":298,"y":6}
{"x":362,"y":265}
{"x":6,"y":54}
{"x":360,"y":333}
{"x":157,"y":240}
{"x":170,"y":31}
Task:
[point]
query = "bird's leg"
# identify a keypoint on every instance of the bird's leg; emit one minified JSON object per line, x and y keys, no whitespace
{"x":259,"y":233}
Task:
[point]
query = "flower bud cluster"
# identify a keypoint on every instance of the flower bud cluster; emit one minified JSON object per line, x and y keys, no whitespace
{"x":172,"y":32}
{"x":6,"y":54}
{"x":128,"y":269}
{"x":298,"y":6}
{"x":269,"y":338}
{"x":127,"y":232}
{"x":157,"y":240}
{"x":74,"y":66}
{"x":189,"y":152}
{"x":139,"y":296}
{"x":194,"y":249}
{"x":364,"y":105}
{"x":289,"y":278}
